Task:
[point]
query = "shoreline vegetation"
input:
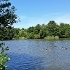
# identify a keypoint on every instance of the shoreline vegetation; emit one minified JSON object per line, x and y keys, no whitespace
{"x":47,"y":38}
{"x":49,"y":31}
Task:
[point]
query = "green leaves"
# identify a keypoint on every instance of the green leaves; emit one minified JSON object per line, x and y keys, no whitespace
{"x":3,"y":56}
{"x":7,"y":13}
{"x":3,"y":5}
{"x":7,"y":18}
{"x":6,"y":33}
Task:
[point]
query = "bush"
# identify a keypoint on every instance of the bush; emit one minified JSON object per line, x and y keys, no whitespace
{"x":49,"y":37}
{"x":36,"y":36}
{"x":56,"y":37}
{"x":3,"y":56}
{"x":52,"y":37}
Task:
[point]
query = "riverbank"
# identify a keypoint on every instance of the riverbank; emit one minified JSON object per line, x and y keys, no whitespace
{"x":43,"y":39}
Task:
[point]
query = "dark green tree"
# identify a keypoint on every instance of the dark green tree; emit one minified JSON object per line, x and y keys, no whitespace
{"x":67,"y":30}
{"x":30,"y":29}
{"x":37,"y":29}
{"x":62,"y":30}
{"x":7,"y":14}
{"x":7,"y":18}
{"x":42,"y":32}
{"x":51,"y":27}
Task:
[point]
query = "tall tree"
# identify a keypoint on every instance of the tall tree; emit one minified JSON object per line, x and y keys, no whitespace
{"x":37,"y":29}
{"x":7,"y":13}
{"x":7,"y":16}
{"x":51,"y":27}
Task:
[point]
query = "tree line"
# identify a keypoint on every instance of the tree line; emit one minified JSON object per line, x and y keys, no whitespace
{"x":52,"y":29}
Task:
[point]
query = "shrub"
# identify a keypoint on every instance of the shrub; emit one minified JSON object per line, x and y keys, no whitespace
{"x":49,"y":37}
{"x":3,"y":56}
{"x":36,"y":36}
{"x":56,"y":37}
{"x":52,"y":37}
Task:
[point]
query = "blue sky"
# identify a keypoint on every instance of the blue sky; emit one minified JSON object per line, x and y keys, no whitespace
{"x":33,"y":12}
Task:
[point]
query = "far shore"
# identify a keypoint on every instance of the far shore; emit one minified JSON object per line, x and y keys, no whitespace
{"x":42,"y":39}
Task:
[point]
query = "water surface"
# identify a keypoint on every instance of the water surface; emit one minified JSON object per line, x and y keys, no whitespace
{"x":38,"y":55}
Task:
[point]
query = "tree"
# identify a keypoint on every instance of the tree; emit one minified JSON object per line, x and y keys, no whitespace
{"x":67,"y":30}
{"x":31,"y":35}
{"x":62,"y":30}
{"x":37,"y":29}
{"x":22,"y":33}
{"x":42,"y":33}
{"x":51,"y":27}
{"x":7,"y":18}
{"x":16,"y":32}
{"x":7,"y":13}
{"x":30,"y":29}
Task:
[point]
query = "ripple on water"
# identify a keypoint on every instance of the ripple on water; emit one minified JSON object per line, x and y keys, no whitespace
{"x":31,"y":55}
{"x":24,"y":62}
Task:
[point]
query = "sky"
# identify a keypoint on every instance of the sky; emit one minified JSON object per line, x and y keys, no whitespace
{"x":33,"y":12}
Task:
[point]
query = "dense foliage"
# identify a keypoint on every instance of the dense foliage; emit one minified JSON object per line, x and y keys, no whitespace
{"x":50,"y":30}
{"x":3,"y":56}
{"x":7,"y":18}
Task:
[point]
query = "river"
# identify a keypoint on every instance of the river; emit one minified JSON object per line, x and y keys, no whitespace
{"x":38,"y":54}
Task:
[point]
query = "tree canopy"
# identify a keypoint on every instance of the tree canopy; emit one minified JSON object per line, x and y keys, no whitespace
{"x":7,"y":18}
{"x":7,"y":13}
{"x":51,"y":29}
